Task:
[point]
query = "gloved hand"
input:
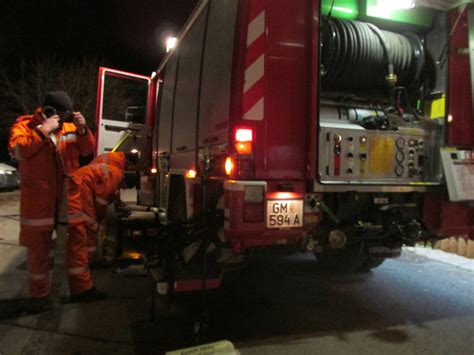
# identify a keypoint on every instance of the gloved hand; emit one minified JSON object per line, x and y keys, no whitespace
{"x":49,"y":125}
{"x":80,"y":122}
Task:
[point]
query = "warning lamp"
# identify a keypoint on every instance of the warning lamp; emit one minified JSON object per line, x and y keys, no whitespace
{"x":243,"y":147}
{"x":229,"y":166}
{"x":191,"y":174}
{"x":243,"y":139}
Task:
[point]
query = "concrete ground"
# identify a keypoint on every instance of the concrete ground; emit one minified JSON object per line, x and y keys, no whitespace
{"x":417,"y":304}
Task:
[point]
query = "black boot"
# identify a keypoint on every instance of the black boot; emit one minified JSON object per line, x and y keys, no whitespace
{"x":91,"y":295}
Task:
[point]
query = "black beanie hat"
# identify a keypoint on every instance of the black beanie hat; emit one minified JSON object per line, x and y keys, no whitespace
{"x":59,"y":100}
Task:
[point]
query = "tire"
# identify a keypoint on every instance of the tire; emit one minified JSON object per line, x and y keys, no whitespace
{"x":370,"y":263}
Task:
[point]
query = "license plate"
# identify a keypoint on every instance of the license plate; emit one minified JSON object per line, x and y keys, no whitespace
{"x":284,"y":213}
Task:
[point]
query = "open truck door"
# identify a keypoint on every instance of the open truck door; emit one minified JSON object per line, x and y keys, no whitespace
{"x":123,"y":114}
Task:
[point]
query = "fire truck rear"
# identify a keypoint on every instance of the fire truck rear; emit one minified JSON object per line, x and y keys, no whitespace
{"x":304,"y":124}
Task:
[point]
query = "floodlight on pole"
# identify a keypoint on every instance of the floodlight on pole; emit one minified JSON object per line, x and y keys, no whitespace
{"x":171,"y":43}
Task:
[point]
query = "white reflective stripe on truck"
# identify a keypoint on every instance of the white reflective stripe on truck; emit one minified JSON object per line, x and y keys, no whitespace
{"x":234,"y":185}
{"x":254,"y":87}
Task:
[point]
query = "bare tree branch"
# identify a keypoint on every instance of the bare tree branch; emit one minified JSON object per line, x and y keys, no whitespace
{"x":24,"y":90}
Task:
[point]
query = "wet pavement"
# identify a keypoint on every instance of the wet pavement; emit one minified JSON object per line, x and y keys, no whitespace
{"x":415,"y":304}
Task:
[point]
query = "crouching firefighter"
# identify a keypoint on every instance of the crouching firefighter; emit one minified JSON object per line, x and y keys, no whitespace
{"x":91,"y":189}
{"x":117,"y":159}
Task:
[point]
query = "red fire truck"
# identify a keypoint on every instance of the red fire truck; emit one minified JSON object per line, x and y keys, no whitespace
{"x":305,"y":124}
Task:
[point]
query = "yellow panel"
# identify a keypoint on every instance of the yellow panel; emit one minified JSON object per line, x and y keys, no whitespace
{"x":436,"y":108}
{"x":382,"y":152}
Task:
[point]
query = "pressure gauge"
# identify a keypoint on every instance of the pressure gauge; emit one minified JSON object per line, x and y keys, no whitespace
{"x":400,"y":143}
{"x":399,"y":156}
{"x":399,"y":170}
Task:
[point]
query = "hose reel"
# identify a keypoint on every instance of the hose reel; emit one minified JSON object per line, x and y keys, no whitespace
{"x":358,"y":55}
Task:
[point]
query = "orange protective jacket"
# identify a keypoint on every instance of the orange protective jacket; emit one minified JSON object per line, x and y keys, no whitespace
{"x":116,"y":159}
{"x":96,"y":186}
{"x":43,"y":167}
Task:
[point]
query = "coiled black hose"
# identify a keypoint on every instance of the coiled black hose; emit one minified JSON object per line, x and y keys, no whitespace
{"x":358,"y":55}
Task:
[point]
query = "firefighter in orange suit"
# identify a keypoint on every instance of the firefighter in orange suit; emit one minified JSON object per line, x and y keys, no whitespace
{"x":118,"y":160}
{"x":48,"y":149}
{"x":90,"y":185}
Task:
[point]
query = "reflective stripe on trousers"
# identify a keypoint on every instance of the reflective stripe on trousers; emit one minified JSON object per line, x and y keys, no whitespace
{"x":37,"y":277}
{"x":101,"y":201}
{"x":76,"y":217}
{"x":37,"y":222}
{"x":38,"y":262}
{"x":77,"y":270}
{"x":81,"y":216}
{"x":94,"y":226}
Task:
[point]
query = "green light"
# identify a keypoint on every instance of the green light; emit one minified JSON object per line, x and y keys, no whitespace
{"x":396,"y":4}
{"x":399,"y":11}
{"x":343,"y":9}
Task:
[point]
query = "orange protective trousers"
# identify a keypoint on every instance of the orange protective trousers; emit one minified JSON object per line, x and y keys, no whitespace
{"x":43,"y":166}
{"x":90,"y":187}
{"x":38,"y":262}
{"x":79,"y":276}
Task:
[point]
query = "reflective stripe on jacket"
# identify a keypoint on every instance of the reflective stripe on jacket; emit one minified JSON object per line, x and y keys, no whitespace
{"x":90,"y":184}
{"x":72,"y":146}
{"x":43,"y":166}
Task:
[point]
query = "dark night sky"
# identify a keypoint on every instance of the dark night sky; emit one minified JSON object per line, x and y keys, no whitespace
{"x":122,"y":34}
{"x":127,"y":33}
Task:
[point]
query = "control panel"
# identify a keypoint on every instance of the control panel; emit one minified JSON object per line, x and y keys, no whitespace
{"x":351,"y":154}
{"x":458,"y":167}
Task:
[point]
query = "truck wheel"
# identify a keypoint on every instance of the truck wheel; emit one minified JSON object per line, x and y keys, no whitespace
{"x":347,"y":260}
{"x":370,"y":263}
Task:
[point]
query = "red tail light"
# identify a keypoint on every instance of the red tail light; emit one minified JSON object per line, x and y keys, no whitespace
{"x":243,"y":141}
{"x":244,"y":147}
